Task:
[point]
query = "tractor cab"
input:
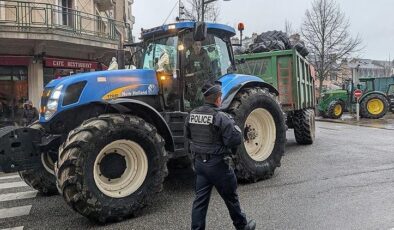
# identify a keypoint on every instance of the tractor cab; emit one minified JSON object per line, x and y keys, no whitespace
{"x":367,"y":84}
{"x":185,"y":55}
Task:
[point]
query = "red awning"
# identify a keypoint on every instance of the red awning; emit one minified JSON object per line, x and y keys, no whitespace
{"x":15,"y":60}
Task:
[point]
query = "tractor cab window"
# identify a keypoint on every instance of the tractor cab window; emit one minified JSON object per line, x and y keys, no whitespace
{"x":202,"y":61}
{"x":367,"y":85}
{"x":363,"y":86}
{"x":390,"y":91}
{"x":161,"y":55}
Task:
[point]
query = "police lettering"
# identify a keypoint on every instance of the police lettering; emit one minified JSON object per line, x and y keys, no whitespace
{"x":201,"y":119}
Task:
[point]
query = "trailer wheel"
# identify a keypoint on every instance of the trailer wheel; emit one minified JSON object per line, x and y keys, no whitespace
{"x":261,"y":118}
{"x":374,"y":106}
{"x":41,"y":179}
{"x":335,"y":109}
{"x":111,"y":166}
{"x":304,"y":126}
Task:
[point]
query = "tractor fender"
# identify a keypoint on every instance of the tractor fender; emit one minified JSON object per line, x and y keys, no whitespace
{"x":373,"y":92}
{"x":228,"y":98}
{"x":148,"y":113}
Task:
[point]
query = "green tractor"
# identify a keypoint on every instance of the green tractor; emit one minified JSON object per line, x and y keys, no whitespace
{"x":373,"y":104}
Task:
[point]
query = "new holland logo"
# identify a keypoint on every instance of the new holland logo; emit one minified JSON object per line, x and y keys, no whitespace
{"x":201,"y":119}
{"x":151,"y":89}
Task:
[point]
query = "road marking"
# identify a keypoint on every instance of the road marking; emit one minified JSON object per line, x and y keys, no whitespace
{"x":18,"y":196}
{"x":9,"y":177}
{"x":13,"y":185}
{"x":14,"y":212}
{"x":15,"y":228}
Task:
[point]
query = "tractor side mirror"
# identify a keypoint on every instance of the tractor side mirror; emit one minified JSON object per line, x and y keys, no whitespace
{"x":200,"y":31}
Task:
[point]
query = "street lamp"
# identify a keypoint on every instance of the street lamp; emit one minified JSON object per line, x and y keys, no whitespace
{"x":204,"y":2}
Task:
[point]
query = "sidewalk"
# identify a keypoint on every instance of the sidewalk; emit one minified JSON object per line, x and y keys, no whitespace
{"x":387,"y":122}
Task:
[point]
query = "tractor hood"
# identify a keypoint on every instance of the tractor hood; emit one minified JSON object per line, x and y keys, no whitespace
{"x":334,"y":92}
{"x":85,"y":88}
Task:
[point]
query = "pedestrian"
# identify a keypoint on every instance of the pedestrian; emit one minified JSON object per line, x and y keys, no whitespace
{"x":212,"y":134}
{"x":30,"y":113}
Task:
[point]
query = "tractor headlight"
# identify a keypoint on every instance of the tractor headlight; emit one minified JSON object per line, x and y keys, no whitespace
{"x":53,"y":102}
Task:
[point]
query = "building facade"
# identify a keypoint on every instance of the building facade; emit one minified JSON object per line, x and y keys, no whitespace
{"x":371,"y":68}
{"x":41,"y":40}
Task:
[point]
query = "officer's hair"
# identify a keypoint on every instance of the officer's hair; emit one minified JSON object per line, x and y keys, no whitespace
{"x":212,"y":98}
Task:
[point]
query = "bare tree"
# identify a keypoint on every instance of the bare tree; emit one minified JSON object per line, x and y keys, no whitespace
{"x":326,"y":32}
{"x":289,"y":28}
{"x":193,"y":11}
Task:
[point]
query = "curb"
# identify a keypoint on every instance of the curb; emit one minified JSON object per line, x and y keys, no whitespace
{"x":347,"y":123}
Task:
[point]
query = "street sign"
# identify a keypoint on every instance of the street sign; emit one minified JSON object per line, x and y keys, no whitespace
{"x":358,"y":93}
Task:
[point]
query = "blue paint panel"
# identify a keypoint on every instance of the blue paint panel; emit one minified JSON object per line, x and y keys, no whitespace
{"x":100,"y":83}
{"x":231,"y":81}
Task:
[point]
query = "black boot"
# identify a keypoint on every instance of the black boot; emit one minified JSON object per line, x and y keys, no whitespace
{"x":251,"y":225}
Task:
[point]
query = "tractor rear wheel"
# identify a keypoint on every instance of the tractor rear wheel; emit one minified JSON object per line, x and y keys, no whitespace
{"x":41,"y":179}
{"x":374,"y":106}
{"x":261,"y":118}
{"x":304,"y":126}
{"x":335,"y":110}
{"x":111,"y":166}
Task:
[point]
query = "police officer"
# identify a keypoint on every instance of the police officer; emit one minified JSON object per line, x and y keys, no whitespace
{"x":212,"y":134}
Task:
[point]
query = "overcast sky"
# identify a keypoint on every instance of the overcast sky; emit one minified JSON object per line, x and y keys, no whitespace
{"x":372,"y":20}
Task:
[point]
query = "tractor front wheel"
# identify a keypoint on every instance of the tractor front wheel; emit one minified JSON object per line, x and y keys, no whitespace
{"x":261,"y":118}
{"x":335,"y":110}
{"x":111,"y":166}
{"x":41,"y":179}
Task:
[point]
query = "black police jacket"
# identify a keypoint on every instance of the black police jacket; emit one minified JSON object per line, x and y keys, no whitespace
{"x":211,"y":131}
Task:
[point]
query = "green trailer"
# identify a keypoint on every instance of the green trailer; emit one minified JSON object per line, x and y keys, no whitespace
{"x":292,"y":76}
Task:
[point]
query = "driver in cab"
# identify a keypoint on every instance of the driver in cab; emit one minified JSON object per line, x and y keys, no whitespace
{"x":198,"y":62}
{"x":198,"y":71}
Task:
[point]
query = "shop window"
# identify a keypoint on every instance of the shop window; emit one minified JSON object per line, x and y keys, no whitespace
{"x":52,"y":73}
{"x":13,"y":93}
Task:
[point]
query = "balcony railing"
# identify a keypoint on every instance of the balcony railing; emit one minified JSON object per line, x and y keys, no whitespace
{"x":41,"y":17}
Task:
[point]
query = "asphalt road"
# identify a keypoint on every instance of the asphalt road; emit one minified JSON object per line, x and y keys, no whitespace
{"x":344,"y":181}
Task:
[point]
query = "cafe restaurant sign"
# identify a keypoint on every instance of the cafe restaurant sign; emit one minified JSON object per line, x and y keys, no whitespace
{"x":70,"y":64}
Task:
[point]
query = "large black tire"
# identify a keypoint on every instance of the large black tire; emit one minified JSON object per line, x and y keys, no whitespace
{"x":265,"y":106}
{"x":79,"y":159}
{"x":331,"y":112}
{"x":366,"y":113}
{"x":304,"y":126}
{"x":41,"y":179}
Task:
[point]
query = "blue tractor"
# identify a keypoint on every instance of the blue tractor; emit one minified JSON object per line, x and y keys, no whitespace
{"x":104,"y":138}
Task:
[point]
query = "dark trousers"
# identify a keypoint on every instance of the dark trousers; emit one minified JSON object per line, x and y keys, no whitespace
{"x":215,"y":172}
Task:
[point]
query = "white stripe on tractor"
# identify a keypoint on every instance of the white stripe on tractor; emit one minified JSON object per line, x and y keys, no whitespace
{"x":13,"y":185}
{"x":10,"y":177}
{"x":15,"y":211}
{"x":18,"y":196}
